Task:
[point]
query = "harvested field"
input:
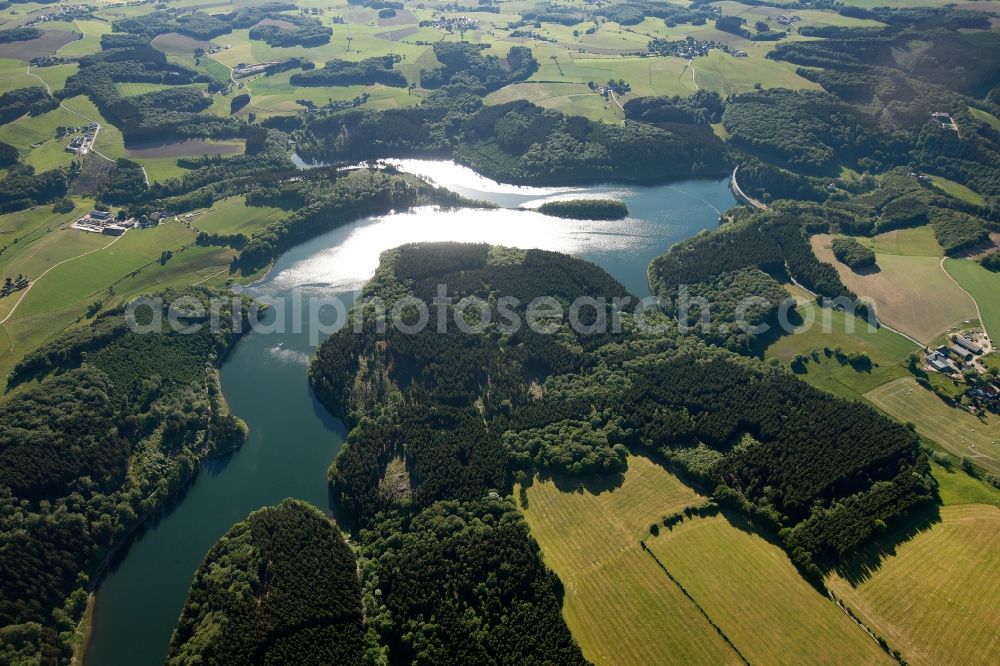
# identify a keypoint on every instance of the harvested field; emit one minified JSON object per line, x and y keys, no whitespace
{"x":397,"y":35}
{"x":174,"y":42}
{"x":912,"y":294}
{"x":50,"y":42}
{"x":620,"y":606}
{"x":402,"y":17}
{"x":189,"y":148}
{"x":936,"y":598}
{"x":93,"y":175}
{"x":750,"y":588}
{"x":956,"y":430}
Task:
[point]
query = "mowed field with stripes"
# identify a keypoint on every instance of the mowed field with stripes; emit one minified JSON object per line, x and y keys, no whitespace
{"x":624,"y":609}
{"x":937,"y":598}
{"x":751,"y":590}
{"x":956,"y":430}
{"x":620,"y":606}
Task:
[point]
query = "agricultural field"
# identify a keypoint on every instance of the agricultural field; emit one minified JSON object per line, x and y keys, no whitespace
{"x":620,"y":606}
{"x":751,"y":590}
{"x":911,"y":293}
{"x":819,"y":329}
{"x":109,"y":140}
{"x":958,"y":432}
{"x":958,"y":191}
{"x":13,"y":75}
{"x":983,"y":285}
{"x":87,"y":38}
{"x":233,"y":216}
{"x":915,"y":242}
{"x":49,"y":43}
{"x":35,"y":138}
{"x":933,"y":597}
{"x":160,"y":160}
{"x":987,"y":118}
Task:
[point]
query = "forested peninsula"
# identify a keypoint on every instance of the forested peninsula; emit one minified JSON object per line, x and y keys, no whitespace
{"x":119,"y":423}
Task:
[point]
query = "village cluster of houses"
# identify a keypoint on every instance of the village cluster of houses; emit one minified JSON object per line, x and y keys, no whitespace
{"x":788,"y":20}
{"x":12,"y":285}
{"x":959,"y":354}
{"x":946,"y":120}
{"x":949,"y":359}
{"x":63,"y":13}
{"x":452,"y":23}
{"x":103,"y":222}
{"x":81,"y":144}
{"x":249,"y":69}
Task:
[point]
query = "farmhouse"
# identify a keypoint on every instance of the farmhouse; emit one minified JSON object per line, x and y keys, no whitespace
{"x":102,"y":222}
{"x":941,"y":363}
{"x":969,"y":345}
{"x":962,"y":354}
{"x":947,"y":122}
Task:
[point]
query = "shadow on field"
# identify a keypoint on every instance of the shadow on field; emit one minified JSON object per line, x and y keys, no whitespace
{"x":859,"y":567}
{"x":873,"y":269}
{"x":764,"y":340}
{"x":595,"y":484}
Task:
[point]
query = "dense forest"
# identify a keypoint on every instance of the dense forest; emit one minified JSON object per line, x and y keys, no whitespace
{"x":586,"y":209}
{"x":464,"y":63}
{"x":515,"y":142}
{"x":473,"y":408}
{"x":853,"y":253}
{"x":119,"y":423}
{"x":463,"y":583}
{"x":346,"y":73}
{"x":281,"y":587}
{"x":160,"y":115}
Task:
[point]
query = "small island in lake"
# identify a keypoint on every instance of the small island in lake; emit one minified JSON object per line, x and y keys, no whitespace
{"x":586,"y":209}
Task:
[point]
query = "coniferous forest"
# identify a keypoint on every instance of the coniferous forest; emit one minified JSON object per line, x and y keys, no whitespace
{"x":890,"y":124}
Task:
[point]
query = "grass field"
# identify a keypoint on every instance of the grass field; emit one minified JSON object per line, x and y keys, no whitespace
{"x":956,"y":431}
{"x":91,"y":41}
{"x":58,"y":300}
{"x":109,"y":139}
{"x":34,"y":137}
{"x":956,"y":487}
{"x":987,"y":118}
{"x":822,"y":328}
{"x":916,"y":242}
{"x":910,"y":293}
{"x":233,"y":216}
{"x":935,"y":599}
{"x":751,"y":590}
{"x":958,"y":191}
{"x":620,"y":606}
{"x":129,"y":89}
{"x":55,"y":75}
{"x":983,"y":284}
{"x":574,"y":98}
{"x":13,"y":76}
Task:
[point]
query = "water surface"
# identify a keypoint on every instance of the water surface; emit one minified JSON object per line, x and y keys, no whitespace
{"x":292,"y":439}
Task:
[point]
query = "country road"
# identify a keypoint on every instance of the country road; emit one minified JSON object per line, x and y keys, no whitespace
{"x":25,"y":291}
{"x":97,"y":130}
